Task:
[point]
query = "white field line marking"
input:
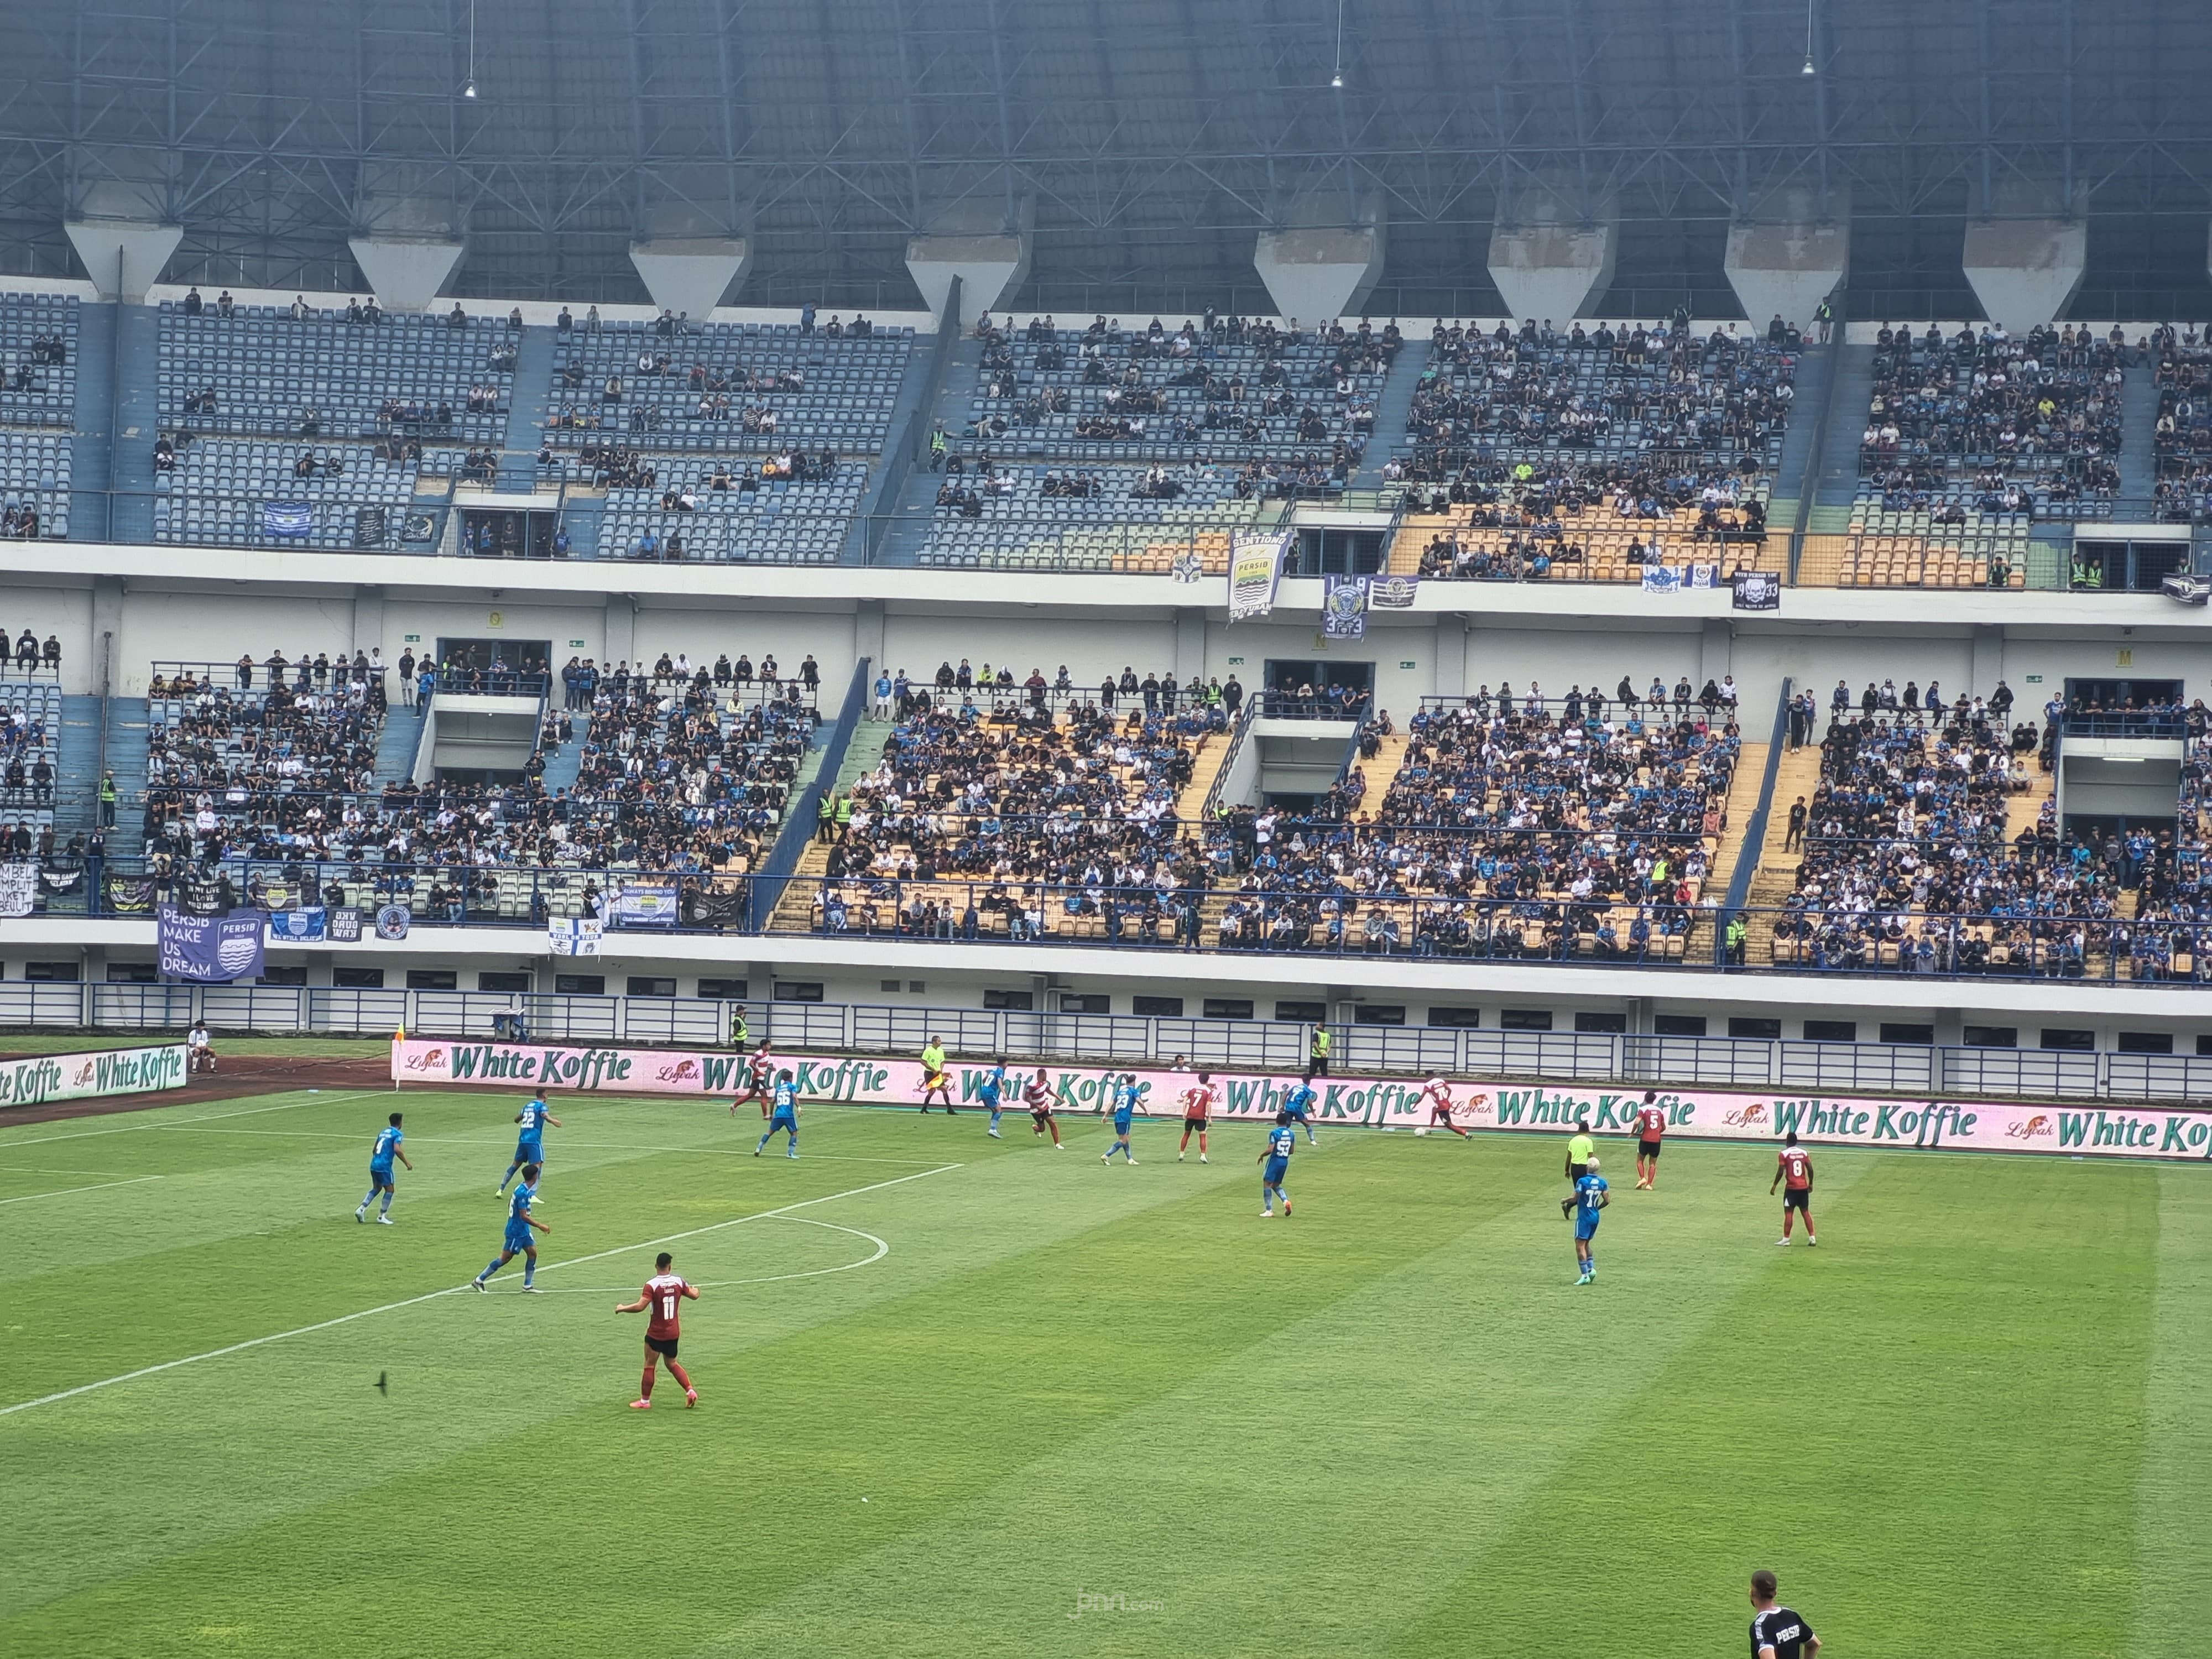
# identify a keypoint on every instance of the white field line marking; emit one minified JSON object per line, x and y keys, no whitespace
{"x":609,"y":1146}
{"x":883,"y":1249}
{"x":51,"y":1169}
{"x":63,"y":1192}
{"x":454,"y":1289}
{"x":7,"y":1146}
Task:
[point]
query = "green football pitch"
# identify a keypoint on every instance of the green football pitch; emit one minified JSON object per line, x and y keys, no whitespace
{"x":970,"y":1397}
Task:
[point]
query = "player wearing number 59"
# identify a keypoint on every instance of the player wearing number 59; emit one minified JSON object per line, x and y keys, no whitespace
{"x":664,"y":1294}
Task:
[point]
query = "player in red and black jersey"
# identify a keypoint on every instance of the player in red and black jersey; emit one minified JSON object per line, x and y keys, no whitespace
{"x":1651,"y":1124}
{"x":760,"y":1079}
{"x":660,"y":1300}
{"x":1793,"y":1173}
{"x":1777,"y":1631}
{"x":1036,"y":1095}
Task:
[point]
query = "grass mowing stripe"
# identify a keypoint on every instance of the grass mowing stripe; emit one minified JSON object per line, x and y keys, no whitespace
{"x":451,"y":1290}
{"x":1915,"y":1426}
{"x":63,"y":1192}
{"x":150,"y":1122}
{"x":2173,"y":1545}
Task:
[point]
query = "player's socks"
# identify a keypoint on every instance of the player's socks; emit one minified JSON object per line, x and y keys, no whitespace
{"x":1201,"y":1157}
{"x":645,"y":1388}
{"x":763,"y":1147}
{"x":530,"y":1278}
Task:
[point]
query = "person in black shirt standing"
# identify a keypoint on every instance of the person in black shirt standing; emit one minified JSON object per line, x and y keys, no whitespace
{"x":1777,"y":1631}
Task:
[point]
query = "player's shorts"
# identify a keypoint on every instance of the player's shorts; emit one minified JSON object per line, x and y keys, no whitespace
{"x":1276,"y":1170}
{"x":380,"y":1178}
{"x":783,"y":1121}
{"x":1586,"y":1230}
{"x":1647,"y":1149}
{"x":529,"y":1152}
{"x":518,"y":1236}
{"x":1298,"y":1114}
{"x":664,"y":1346}
{"x":1122,"y":1125}
{"x":1041,"y":1113}
{"x":1190,"y":1123}
{"x":1796,"y":1198}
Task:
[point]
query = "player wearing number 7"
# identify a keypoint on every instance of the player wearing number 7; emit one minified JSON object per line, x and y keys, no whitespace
{"x":663,"y":1295}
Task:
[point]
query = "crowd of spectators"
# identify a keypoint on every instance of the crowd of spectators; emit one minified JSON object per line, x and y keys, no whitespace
{"x":2182,"y":439}
{"x":2026,"y":424}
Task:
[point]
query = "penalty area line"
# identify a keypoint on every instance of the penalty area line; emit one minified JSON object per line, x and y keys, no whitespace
{"x":455,"y":1290}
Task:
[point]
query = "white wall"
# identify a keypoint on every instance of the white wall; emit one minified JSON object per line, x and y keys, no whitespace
{"x":1091,"y":647}
{"x":64,"y":613}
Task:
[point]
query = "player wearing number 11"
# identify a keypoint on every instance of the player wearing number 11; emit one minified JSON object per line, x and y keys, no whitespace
{"x":664,"y":1294}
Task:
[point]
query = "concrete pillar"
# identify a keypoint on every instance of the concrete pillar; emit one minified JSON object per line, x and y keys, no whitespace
{"x":690,"y":275}
{"x":369,"y":620}
{"x":124,"y":258}
{"x":405,"y":273}
{"x":108,"y":637}
{"x":2024,"y":252}
{"x":1988,"y":655}
{"x":1451,"y":655}
{"x":618,"y":634}
{"x":1786,"y":255}
{"x":408,"y":231}
{"x":1550,"y":260}
{"x":1319,"y":273}
{"x":121,"y":212}
{"x":1716,"y":650}
{"x":868,"y":634}
{"x":1190,"y":644}
{"x":986,"y":249}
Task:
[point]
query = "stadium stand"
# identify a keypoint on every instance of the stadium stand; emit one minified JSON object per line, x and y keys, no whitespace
{"x":2182,"y":439}
{"x":727,"y":388}
{"x":792,"y":508}
{"x":1000,"y":516}
{"x":34,"y":485}
{"x":38,"y":360}
{"x":30,"y":758}
{"x":1593,"y":456}
{"x":261,"y":493}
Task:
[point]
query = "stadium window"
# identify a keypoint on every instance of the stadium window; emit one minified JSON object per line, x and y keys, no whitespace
{"x":799,"y":990}
{"x":1831,"y":1030}
{"x":1379,"y":1014}
{"x":1085,"y":1002}
{"x":1678,"y":1025}
{"x":1755,"y":1027}
{"x":1157,"y":1007}
{"x":50,"y":973}
{"x":276,"y":975}
{"x":131,"y":972}
{"x":432,"y":979}
{"x":888,"y":984}
{"x":1233,"y":1008}
{"x":1011,"y":1002}
{"x":1299,"y":1013}
{"x":2069,"y":1041}
{"x":511,"y":983}
{"x":727,"y":990}
{"x":2146,"y":1043}
{"x":1908,"y":1034}
{"x":579,"y":985}
{"x":357,"y":979}
{"x":1991,"y":1036}
{"x":1597,"y":1022}
{"x":1525,"y":1019}
{"x":916,"y":988}
{"x":648,"y":985}
{"x":1464,"y":1019}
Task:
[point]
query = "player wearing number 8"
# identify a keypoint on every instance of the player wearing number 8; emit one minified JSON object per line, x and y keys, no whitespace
{"x":661,"y":1298}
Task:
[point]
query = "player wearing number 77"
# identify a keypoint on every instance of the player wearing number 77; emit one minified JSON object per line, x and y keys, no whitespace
{"x":664,"y":1294}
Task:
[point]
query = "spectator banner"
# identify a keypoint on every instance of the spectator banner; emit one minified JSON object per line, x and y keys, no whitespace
{"x":80,"y":1077}
{"x":645,"y":906}
{"x":209,"y":950}
{"x":342,"y":927}
{"x":1383,"y":1102}
{"x":1256,"y":570}
{"x":19,"y":888}
{"x":1393,"y":592}
{"x":392,"y":921}
{"x":295,"y":926}
{"x":287,"y":518}
{"x":1188,"y":567}
{"x":130,"y":896}
{"x":417,"y":527}
{"x":1674,"y":578}
{"x":62,"y":881}
{"x":1757,"y":590}
{"x":1344,"y":608}
{"x":573,"y":936}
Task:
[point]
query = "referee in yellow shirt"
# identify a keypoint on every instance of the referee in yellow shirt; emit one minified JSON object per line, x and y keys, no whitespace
{"x":1580,"y":1149}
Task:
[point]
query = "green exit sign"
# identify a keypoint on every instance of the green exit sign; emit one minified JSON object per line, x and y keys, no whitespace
{"x":2035,"y":679}
{"x":1408,"y":664}
{"x":576,"y":645}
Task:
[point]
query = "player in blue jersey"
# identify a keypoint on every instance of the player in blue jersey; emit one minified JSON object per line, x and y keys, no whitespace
{"x":1590,"y":1197}
{"x":518,"y":1240}
{"x":379,"y":1170}
{"x":992,"y":1091}
{"x":1123,"y":1101}
{"x":1298,"y":1102}
{"x":784,"y":1116}
{"x":530,"y":1145}
{"x":1282,"y":1141}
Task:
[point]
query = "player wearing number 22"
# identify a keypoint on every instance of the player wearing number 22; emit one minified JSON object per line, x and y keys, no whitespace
{"x":1282,"y":1141}
{"x":1590,"y":1197}
{"x":664,"y":1294}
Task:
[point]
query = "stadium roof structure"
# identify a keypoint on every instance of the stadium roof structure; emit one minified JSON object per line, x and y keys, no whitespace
{"x":1143,"y":145}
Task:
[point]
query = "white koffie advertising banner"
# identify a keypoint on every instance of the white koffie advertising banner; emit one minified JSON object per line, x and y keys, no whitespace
{"x":81,"y":1077}
{"x":1379,"y":1103}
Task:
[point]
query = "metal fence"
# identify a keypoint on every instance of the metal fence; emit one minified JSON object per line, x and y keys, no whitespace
{"x":1631,"y":1061}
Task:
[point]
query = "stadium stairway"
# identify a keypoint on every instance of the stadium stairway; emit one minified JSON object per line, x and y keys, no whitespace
{"x":2021,"y":811}
{"x":395,"y":745}
{"x":1776,"y":876}
{"x":916,"y":500}
{"x":93,"y":446}
{"x":1383,"y":771}
{"x":136,"y":420}
{"x":76,"y":766}
{"x":2138,"y":442}
{"x":562,"y":763}
{"x":1392,"y":409}
{"x":1792,"y":477}
{"x":1742,"y":805}
{"x":1837,"y":477}
{"x":533,"y":391}
{"x":1205,"y":766}
{"x":795,"y":910}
